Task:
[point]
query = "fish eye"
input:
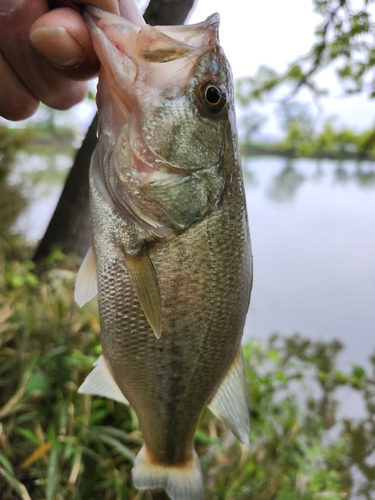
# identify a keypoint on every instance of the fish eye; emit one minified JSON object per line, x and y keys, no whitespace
{"x":212,"y":97}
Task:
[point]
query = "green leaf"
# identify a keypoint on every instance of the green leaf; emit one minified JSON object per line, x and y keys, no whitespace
{"x":39,"y":383}
{"x":6,"y":463}
{"x":115,"y":443}
{"x":53,"y":473}
{"x":28,"y":434}
{"x":202,"y":436}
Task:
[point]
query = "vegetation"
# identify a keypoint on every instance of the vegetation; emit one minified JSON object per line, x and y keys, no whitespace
{"x":303,"y":138}
{"x":344,"y":42}
{"x":11,"y":201}
{"x":57,"y":444}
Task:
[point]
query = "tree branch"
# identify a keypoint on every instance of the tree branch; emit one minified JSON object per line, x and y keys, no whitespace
{"x":167,"y":12}
{"x":69,"y":228}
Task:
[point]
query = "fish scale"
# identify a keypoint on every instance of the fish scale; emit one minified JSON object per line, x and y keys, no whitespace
{"x":186,"y":340}
{"x":173,"y":288}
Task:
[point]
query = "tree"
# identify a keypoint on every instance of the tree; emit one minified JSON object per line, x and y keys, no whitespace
{"x":69,"y":227}
{"x":344,"y":40}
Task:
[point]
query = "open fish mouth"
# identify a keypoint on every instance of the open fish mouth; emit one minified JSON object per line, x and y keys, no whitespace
{"x":160,"y":79}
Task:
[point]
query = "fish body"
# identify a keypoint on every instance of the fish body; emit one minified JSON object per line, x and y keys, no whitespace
{"x":171,"y":244}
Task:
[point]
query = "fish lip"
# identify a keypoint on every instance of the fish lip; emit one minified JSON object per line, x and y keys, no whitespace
{"x":92,"y":11}
{"x":95,"y":12}
{"x":92,"y":16}
{"x":213,"y":19}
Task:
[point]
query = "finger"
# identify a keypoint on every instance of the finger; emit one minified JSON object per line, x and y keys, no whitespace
{"x":16,"y":101}
{"x":107,"y":5}
{"x":61,"y":36}
{"x":129,"y":10}
{"x":40,"y":78}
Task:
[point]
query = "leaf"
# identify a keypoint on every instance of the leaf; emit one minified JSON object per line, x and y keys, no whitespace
{"x":15,"y":484}
{"x":52,"y":473}
{"x":118,"y":446}
{"x":204,"y":437}
{"x":39,"y":383}
{"x":36,"y":455}
{"x":28,"y":434}
{"x":6,"y":463}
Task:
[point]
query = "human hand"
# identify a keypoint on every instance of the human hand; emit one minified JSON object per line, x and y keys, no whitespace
{"x":47,"y":55}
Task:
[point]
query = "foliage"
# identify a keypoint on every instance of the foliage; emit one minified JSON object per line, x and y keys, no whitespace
{"x":329,"y":141}
{"x":303,"y":138}
{"x":345,"y":39}
{"x":57,"y":444}
{"x":345,"y":42}
{"x":11,"y":198}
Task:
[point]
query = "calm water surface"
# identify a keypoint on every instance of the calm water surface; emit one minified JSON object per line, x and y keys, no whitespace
{"x":313,"y":232}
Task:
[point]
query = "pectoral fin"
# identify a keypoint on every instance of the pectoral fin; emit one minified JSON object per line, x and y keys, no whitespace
{"x":146,"y":287}
{"x":86,"y":282}
{"x":230,"y":403}
{"x":101,"y":383}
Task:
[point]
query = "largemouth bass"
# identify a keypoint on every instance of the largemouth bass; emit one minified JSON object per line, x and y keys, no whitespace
{"x":171,"y":251}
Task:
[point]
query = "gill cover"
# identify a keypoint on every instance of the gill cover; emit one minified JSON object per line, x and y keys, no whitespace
{"x":163,"y":98}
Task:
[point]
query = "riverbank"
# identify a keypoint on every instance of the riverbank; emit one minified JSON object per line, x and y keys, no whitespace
{"x":253,"y":149}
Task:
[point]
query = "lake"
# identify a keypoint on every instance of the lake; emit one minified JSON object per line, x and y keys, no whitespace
{"x":313,"y":231}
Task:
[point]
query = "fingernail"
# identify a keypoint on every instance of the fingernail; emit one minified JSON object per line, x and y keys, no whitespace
{"x":58,"y":46}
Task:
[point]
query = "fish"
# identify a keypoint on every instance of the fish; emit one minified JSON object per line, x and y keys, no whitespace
{"x":171,"y":258}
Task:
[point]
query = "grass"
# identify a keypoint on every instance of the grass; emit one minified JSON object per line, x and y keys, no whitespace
{"x":58,"y":445}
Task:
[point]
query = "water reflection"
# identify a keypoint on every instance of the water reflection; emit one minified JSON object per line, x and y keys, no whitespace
{"x":289,"y":175}
{"x":284,"y":185}
{"x":313,"y":233}
{"x":41,"y":177}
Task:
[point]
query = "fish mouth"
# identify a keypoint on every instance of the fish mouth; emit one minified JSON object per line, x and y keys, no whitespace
{"x":193,"y":35}
{"x":145,"y":59}
{"x":123,"y":48}
{"x":143,"y":68}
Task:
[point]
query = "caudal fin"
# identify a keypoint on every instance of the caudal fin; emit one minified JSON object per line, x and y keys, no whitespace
{"x":183,"y":482}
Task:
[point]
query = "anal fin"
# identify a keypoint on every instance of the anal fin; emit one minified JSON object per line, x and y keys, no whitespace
{"x":86,"y":281}
{"x":181,"y":482}
{"x":230,"y":402}
{"x":100,"y":382}
{"x":146,"y":287}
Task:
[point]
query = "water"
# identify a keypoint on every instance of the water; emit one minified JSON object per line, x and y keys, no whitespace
{"x":313,"y":232}
{"x":42,"y":178}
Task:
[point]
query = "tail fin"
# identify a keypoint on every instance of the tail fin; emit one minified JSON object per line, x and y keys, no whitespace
{"x":180,"y":482}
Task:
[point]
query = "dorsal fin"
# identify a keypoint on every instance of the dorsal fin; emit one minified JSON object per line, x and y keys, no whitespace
{"x":86,"y":281}
{"x":230,"y":403}
{"x":100,"y":382}
{"x":146,"y":287}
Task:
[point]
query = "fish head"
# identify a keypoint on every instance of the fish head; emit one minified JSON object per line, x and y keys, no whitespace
{"x":165,"y":97}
